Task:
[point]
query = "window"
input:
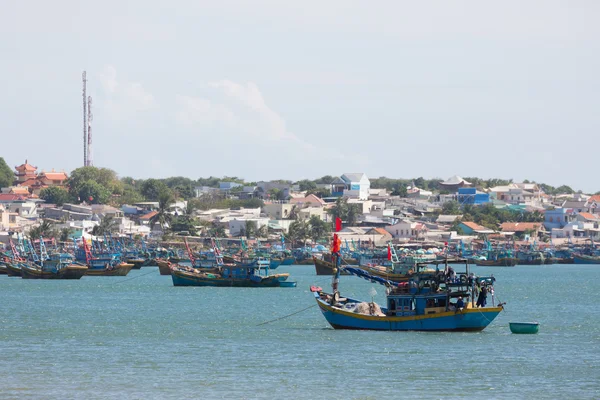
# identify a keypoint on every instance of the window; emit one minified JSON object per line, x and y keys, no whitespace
{"x":551,"y":219}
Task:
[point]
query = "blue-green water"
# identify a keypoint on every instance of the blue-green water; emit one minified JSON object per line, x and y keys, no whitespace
{"x":143,"y":338}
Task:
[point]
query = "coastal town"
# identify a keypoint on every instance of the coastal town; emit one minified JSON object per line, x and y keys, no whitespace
{"x":90,"y":202}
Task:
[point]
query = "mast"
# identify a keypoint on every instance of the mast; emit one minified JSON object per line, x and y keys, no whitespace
{"x":90,"y":117}
{"x":85,"y":120}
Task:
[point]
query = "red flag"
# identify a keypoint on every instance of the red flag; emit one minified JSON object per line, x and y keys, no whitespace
{"x":389,"y":253}
{"x":338,"y":224}
{"x":336,"y":244}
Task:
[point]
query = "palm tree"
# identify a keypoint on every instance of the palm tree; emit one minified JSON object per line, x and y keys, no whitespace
{"x":250,"y":228}
{"x":163,"y":216}
{"x":106,"y":225}
{"x":44,"y":229}
{"x":293,"y":213}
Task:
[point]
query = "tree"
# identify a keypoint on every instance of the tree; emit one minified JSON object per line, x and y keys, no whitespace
{"x":45,"y":229}
{"x":352,"y":213}
{"x":263,"y":231}
{"x":163,"y":216}
{"x":298,"y":231}
{"x":318,"y":228}
{"x":276,"y":194}
{"x":7,"y":176}
{"x":293,"y":213}
{"x":327,"y":179}
{"x":64,"y":234}
{"x":93,"y":192}
{"x":107,"y":225}
{"x":152,"y":188}
{"x":451,"y":208}
{"x":99,"y":183}
{"x":250,"y":229}
{"x":305,"y":184}
{"x":217,"y":230}
{"x":55,"y":195}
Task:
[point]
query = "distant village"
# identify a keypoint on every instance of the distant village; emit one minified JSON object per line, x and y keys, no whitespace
{"x":302,"y":213}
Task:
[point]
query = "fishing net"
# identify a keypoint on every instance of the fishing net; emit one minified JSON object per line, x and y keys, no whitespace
{"x":369,"y":309}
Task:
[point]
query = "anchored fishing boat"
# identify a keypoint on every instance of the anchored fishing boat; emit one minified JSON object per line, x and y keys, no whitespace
{"x":230,"y":275}
{"x":440,"y":302}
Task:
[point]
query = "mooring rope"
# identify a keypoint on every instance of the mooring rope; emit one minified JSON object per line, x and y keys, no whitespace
{"x":286,"y":316}
{"x":147,"y":273}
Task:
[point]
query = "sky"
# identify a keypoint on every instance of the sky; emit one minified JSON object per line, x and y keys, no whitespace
{"x":271,"y":89}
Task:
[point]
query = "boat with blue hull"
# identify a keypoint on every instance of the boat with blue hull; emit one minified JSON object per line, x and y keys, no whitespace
{"x":344,"y":316}
{"x":586,"y":259}
{"x":444,"y":301}
{"x":229,"y":276}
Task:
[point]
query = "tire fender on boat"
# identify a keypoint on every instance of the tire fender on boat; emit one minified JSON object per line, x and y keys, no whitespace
{"x":463,"y":279}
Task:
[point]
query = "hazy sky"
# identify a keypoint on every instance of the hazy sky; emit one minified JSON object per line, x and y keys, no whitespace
{"x":282,"y":89}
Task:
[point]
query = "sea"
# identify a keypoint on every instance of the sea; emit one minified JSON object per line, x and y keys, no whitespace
{"x":139,"y":337}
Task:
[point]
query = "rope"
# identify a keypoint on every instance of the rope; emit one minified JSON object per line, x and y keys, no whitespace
{"x":285,"y":316}
{"x":147,"y":273}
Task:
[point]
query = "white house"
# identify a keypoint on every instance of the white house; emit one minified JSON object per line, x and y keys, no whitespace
{"x":407,"y":229}
{"x":237,"y":227}
{"x":352,"y":185}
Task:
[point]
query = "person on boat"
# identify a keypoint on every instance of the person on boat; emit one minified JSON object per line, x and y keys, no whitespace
{"x":460,"y":304}
{"x":451,"y":274}
{"x":482,"y":299}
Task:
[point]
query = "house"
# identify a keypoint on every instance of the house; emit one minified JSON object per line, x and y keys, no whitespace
{"x":309,"y":201}
{"x":307,"y":212}
{"x":471,"y":228}
{"x":416,"y":193}
{"x":593,"y":204}
{"x":472,"y":196}
{"x":588,"y":217}
{"x":351,"y":185}
{"x":557,"y":218}
{"x":407,"y":229}
{"x":237,"y":227}
{"x":74,"y":212}
{"x":453,"y":183}
{"x":535,"y":229}
{"x":277,"y":210}
{"x":447,"y":219}
{"x":8,"y":220}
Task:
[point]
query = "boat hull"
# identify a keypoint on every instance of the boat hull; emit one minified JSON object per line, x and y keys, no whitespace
{"x":325,"y":268}
{"x":164,"y":266}
{"x":502,"y":262}
{"x":118,"y":270}
{"x":70,"y":272}
{"x":13,"y":270}
{"x":471,"y":319}
{"x":288,"y":261}
{"x":581,"y":259}
{"x":186,"y":278}
{"x":137,"y":262}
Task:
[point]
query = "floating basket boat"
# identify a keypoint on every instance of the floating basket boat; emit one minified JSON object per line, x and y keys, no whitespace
{"x":524,"y":327}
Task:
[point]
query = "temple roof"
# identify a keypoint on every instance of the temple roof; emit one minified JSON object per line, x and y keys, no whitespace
{"x":26,"y":167}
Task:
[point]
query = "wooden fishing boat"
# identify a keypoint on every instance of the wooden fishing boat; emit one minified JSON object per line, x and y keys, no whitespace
{"x":323,"y":267}
{"x":3,"y":269}
{"x":137,"y":262}
{"x":120,"y":269}
{"x":421,"y":304}
{"x":524,"y":327}
{"x":228,"y":276}
{"x":164,"y":266}
{"x":71,"y":271}
{"x":13,"y":268}
{"x":289,"y":260}
{"x":500,"y":262}
{"x":585,"y":259}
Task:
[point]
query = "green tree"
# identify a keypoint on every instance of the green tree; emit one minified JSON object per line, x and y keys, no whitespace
{"x":451,"y":208}
{"x":65,"y":234}
{"x":55,"y":195}
{"x":318,"y":228}
{"x":305,"y":184}
{"x":250,"y":229}
{"x":44,"y":229}
{"x":7,"y":176}
{"x":298,"y":231}
{"x":152,"y":188}
{"x":93,"y":193}
{"x":163,"y":217}
{"x":327,"y":179}
{"x":107,"y":225}
{"x":99,"y":183}
{"x":276,"y":194}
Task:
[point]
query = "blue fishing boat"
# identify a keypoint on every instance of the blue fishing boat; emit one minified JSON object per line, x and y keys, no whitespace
{"x":441,"y":302}
{"x":579,"y":258}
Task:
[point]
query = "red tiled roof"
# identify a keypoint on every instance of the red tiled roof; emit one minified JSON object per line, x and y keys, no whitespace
{"x":19,"y":190}
{"x":382,"y":231}
{"x":29,"y":182}
{"x":11,"y":197}
{"x":26,"y":167}
{"x":149,"y":215}
{"x":474,"y":226}
{"x":54,"y":175}
{"x":595,"y":198}
{"x":520,"y":226}
{"x":311,"y":198}
{"x":588,"y":215}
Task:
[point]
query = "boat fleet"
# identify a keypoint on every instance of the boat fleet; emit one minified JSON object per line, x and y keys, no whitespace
{"x":423,"y":290}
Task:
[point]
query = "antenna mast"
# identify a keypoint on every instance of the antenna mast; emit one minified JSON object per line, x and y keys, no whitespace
{"x":90,"y":117}
{"x":85,"y":121}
